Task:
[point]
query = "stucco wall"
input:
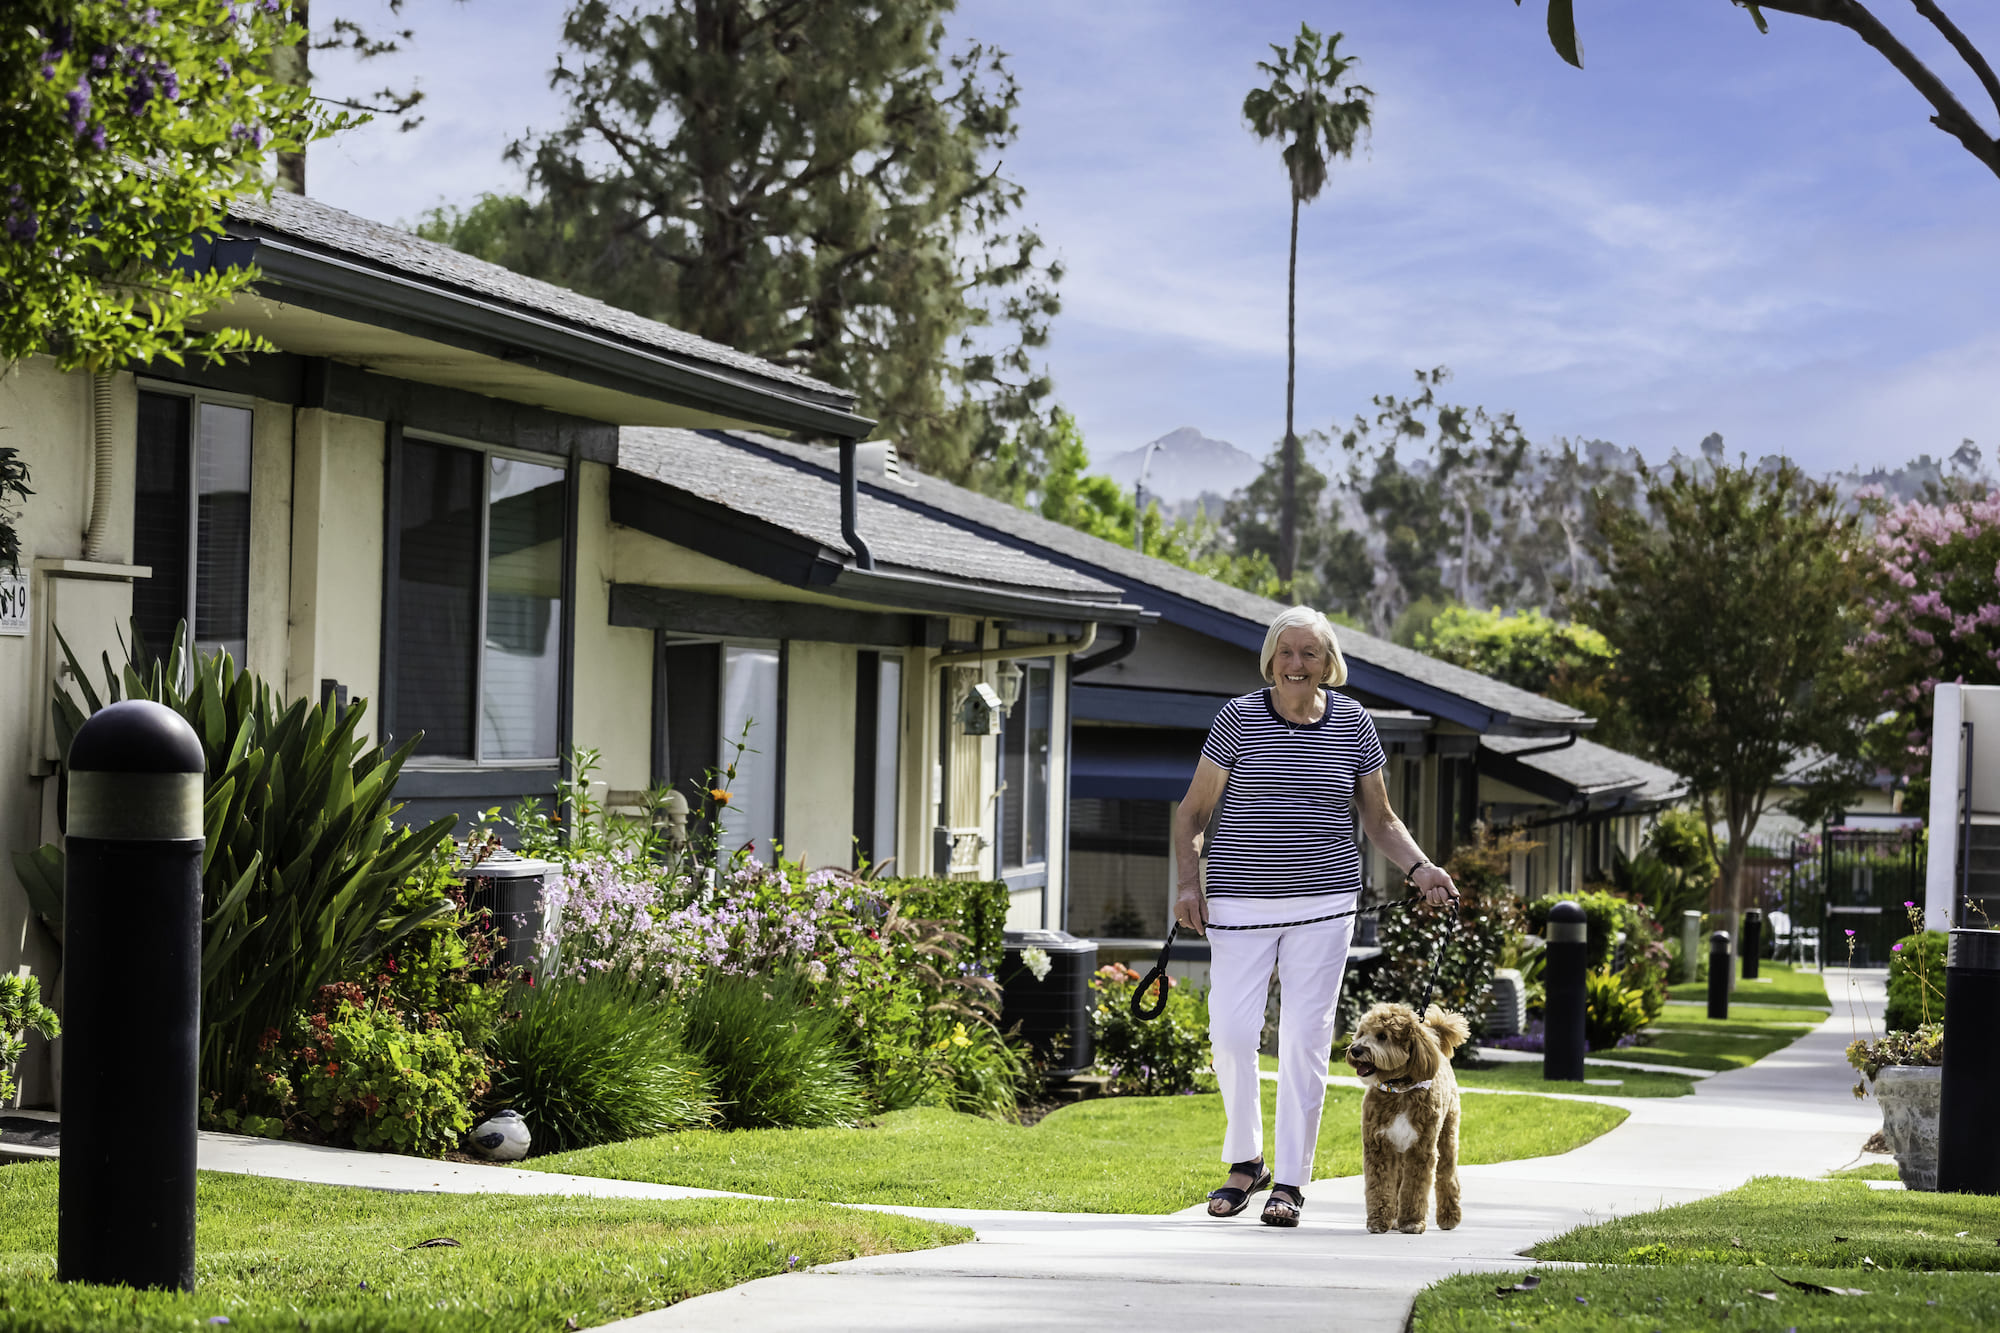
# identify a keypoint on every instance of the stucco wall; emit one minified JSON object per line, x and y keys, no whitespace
{"x":614,"y":666}
{"x":819,"y":753}
{"x":336,"y":571}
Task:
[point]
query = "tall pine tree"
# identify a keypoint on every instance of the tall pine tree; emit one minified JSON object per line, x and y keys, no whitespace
{"x":814,"y":181}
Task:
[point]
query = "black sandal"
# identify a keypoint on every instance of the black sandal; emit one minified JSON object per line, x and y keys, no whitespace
{"x":1238,"y":1199}
{"x":1282,"y":1209}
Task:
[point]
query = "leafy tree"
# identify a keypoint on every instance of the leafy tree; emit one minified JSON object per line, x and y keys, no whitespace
{"x":1731,"y":606}
{"x":1096,"y":504}
{"x":1307,"y":108}
{"x":89,"y":238}
{"x":1562,"y":660}
{"x":1331,"y":560}
{"x":1934,"y":612}
{"x":1949,"y":113}
{"x":812,"y":181}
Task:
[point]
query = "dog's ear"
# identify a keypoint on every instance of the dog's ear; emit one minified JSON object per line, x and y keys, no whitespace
{"x":1452,"y":1030}
{"x":1425,"y":1056}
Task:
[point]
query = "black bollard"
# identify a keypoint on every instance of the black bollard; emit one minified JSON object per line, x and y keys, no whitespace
{"x":1753,"y":941}
{"x":1563,"y":1042}
{"x":1718,"y":974}
{"x":1971,"y":1092}
{"x":132,"y":991}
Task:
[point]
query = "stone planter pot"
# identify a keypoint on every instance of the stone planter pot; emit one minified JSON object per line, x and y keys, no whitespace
{"x":1910,"y":1097}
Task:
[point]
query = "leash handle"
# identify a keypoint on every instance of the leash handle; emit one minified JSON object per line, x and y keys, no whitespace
{"x":1140,"y":1009}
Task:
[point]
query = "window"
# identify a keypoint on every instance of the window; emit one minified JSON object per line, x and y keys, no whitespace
{"x":191,"y":523}
{"x":477,"y":646}
{"x":877,"y":752}
{"x":706,"y":693}
{"x":1120,"y":882}
{"x":1024,"y":768}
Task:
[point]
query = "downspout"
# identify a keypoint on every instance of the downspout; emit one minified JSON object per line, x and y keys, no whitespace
{"x":1065,"y":649}
{"x":96,"y":536}
{"x":1128,"y":642}
{"x":1551,"y":748}
{"x":849,"y":502}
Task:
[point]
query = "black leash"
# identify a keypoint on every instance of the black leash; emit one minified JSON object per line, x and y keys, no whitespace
{"x":1143,"y":1011}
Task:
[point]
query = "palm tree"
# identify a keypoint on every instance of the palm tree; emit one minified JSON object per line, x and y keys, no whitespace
{"x":1306,"y":107}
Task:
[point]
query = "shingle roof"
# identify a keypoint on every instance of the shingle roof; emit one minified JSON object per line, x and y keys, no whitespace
{"x":808,"y":503}
{"x":1590,"y":767}
{"x":1126,"y":568}
{"x":329,"y":228}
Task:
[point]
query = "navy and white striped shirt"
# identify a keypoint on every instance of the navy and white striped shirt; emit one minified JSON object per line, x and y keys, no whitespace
{"x":1283,"y":846}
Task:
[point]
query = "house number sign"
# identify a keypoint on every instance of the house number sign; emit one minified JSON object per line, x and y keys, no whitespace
{"x":13,"y":602}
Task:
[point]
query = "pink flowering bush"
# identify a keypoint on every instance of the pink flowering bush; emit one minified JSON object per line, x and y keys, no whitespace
{"x":1933,"y":610}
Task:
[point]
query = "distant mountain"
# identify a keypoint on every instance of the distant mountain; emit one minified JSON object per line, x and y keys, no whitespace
{"x":1186,"y":465}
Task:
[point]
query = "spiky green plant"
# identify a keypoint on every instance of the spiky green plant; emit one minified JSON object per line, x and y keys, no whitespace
{"x":596,"y":1059}
{"x":304,"y":857}
{"x":777,"y":1062}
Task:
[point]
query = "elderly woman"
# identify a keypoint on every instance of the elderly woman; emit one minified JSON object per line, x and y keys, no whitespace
{"x":1289,"y":764}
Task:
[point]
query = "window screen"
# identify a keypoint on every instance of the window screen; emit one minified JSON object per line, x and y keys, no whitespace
{"x":222,"y":536}
{"x":161,"y":512}
{"x":437,"y":585}
{"x":1024,"y":768}
{"x":523,"y":655}
{"x":750,"y":695}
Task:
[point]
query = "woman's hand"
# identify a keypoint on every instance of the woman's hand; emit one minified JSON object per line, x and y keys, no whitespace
{"x":1434,"y":884}
{"x":1191,"y":910}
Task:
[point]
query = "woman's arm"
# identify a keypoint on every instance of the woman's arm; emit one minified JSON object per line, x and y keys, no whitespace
{"x":1393,"y":840}
{"x":1190,"y":908}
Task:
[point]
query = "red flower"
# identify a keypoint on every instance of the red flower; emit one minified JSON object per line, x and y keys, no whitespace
{"x":332,"y":1069}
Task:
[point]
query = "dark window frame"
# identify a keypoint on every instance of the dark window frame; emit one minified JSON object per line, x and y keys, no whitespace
{"x":196,"y":397}
{"x":395,"y":438}
{"x":1026,"y":873}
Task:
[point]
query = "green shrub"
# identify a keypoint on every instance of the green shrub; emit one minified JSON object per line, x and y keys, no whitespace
{"x":1612,"y":1010}
{"x":1916,"y":981}
{"x":349,"y":1072}
{"x":596,"y":1059}
{"x":1647,"y":958}
{"x":304,"y":863}
{"x":21,"y":1012}
{"x":1148,"y":1057}
{"x":1414,"y":938}
{"x":777,"y":1062}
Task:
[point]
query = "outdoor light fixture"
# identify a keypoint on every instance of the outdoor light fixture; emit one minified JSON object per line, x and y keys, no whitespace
{"x":1010,"y":686}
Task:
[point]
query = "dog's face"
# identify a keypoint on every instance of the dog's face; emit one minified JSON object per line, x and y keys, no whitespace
{"x":1388,"y":1042}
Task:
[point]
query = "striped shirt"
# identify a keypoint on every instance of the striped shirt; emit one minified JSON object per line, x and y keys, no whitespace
{"x":1283,"y":847}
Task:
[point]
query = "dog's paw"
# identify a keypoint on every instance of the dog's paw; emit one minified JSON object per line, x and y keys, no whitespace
{"x":1411,"y":1228}
{"x":1378,"y":1225}
{"x":1448,"y":1221}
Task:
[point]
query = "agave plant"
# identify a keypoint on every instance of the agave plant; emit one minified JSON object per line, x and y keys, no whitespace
{"x":303,"y":858}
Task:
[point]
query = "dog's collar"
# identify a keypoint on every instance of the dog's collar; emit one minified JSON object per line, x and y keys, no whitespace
{"x":1390,"y":1086}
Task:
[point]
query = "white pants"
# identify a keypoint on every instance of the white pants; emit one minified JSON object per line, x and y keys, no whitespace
{"x":1309,"y":960}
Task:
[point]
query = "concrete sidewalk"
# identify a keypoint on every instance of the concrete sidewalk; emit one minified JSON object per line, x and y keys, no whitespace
{"x":1791,"y":1113}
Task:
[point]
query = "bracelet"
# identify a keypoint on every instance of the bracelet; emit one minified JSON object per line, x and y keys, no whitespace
{"x":1411,"y":873}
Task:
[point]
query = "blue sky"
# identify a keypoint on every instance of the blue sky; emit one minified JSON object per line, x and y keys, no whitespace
{"x":1704,"y":230}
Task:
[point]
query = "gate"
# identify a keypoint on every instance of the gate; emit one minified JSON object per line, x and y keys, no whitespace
{"x":1866,"y":875}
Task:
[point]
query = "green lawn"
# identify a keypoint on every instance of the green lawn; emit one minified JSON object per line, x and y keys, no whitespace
{"x":1777,"y":983}
{"x":1114,"y":1155}
{"x":1868,"y":1171}
{"x":278,"y":1257}
{"x":1688,"y":1038}
{"x":1528,"y":1077}
{"x":1794,"y":1021}
{"x":1717,"y":1259}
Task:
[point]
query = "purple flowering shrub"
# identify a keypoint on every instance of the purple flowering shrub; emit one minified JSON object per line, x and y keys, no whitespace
{"x":908,"y":963}
{"x":89,"y":241}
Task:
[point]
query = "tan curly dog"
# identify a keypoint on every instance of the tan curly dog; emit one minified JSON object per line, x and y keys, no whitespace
{"x":1409,"y":1116}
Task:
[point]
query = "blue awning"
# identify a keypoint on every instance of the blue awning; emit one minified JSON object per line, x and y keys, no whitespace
{"x":1133,"y":763}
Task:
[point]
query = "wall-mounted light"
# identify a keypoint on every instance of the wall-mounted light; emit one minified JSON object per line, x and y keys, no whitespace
{"x":1010,"y":686}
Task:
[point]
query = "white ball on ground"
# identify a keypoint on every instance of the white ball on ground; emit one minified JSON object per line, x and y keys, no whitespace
{"x":503,"y":1137}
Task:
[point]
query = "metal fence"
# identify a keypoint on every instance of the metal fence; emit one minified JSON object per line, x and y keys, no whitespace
{"x":1861,"y":883}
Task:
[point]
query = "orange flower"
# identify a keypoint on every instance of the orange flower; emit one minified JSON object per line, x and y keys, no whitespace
{"x":718,"y":795}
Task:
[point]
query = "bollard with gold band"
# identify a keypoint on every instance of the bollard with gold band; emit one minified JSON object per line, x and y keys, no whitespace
{"x":132,"y":986}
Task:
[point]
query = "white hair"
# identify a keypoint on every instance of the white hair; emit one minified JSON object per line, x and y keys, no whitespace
{"x":1304,"y":617}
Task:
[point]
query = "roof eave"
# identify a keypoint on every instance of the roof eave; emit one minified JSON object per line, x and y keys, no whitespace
{"x":579,"y":353}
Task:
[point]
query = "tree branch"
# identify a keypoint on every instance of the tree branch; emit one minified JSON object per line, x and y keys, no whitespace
{"x":1967,"y":52}
{"x":1951,"y":117}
